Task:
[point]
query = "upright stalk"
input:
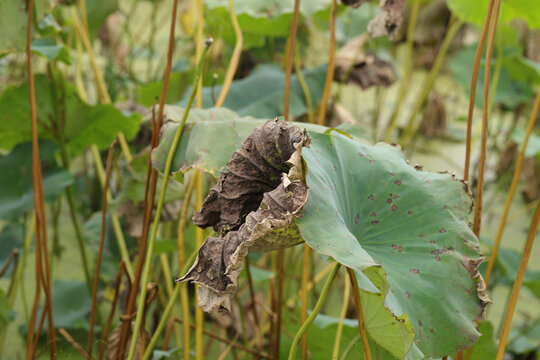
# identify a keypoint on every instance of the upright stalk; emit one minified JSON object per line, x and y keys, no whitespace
{"x":235,"y":59}
{"x":39,"y":209}
{"x":100,"y":251}
{"x":316,"y":310}
{"x":359,"y":314}
{"x":304,"y":296}
{"x":477,"y":223}
{"x":330,"y":69}
{"x":199,"y":238}
{"x":474,"y":81}
{"x":159,"y":208}
{"x":512,"y":191}
{"x":517,"y":284}
{"x":290,"y":56}
{"x":344,"y":307}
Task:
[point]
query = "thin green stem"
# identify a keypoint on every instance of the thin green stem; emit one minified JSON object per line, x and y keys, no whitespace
{"x":165,"y":317}
{"x":316,"y":310}
{"x":412,"y":127}
{"x":159,"y":208}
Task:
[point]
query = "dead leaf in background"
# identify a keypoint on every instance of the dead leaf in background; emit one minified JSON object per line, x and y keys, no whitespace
{"x":434,"y":120}
{"x":389,"y":20}
{"x":354,"y":66}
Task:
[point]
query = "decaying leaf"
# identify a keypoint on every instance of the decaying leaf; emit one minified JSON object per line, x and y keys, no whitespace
{"x":253,"y":207}
{"x":389,"y":20}
{"x":353,"y":65}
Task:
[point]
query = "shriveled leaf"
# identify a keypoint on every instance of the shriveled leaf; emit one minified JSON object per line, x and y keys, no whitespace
{"x":253,"y":207}
{"x":261,"y":93}
{"x":403,"y":230}
{"x":389,"y":20}
{"x":16,"y":191}
{"x":84,"y":124}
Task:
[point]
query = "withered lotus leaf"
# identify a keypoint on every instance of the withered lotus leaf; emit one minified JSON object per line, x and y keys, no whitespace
{"x":253,"y":207}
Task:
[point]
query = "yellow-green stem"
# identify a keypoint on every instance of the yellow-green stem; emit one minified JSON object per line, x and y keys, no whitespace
{"x":235,"y":59}
{"x":316,"y":310}
{"x":412,"y":127}
{"x":159,"y":208}
{"x":344,"y":306}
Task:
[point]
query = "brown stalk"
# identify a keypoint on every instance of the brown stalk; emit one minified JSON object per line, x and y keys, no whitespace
{"x":483,"y":149}
{"x":229,"y":342}
{"x":167,"y":336}
{"x":512,"y":190}
{"x":39,"y":206}
{"x":290,"y":56}
{"x":101,"y":242}
{"x":75,"y":344}
{"x":150,"y":191}
{"x":12,"y":258}
{"x":359,"y":313}
{"x":517,"y":284}
{"x":474,"y":81}
{"x":330,"y":70}
{"x":121,"y":271}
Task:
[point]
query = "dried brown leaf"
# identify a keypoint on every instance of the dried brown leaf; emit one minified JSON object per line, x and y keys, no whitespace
{"x":389,"y":20}
{"x":253,"y":207}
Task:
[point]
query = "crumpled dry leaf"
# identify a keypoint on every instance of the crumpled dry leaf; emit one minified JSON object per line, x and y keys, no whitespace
{"x":253,"y":207}
{"x":114,"y":338}
{"x":353,"y":65}
{"x":389,"y":20}
{"x":434,"y":120}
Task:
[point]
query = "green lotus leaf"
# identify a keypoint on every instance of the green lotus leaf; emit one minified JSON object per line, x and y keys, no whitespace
{"x":404,"y":231}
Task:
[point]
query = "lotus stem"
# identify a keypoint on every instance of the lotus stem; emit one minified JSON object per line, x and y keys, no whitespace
{"x":359,"y":314}
{"x":474,"y":81}
{"x":290,"y":54}
{"x":304,"y":295}
{"x":159,"y":208}
{"x":316,"y":310}
{"x":330,"y":69}
{"x":339,"y":331}
{"x":517,"y":284}
{"x":477,"y":223}
{"x":235,"y":59}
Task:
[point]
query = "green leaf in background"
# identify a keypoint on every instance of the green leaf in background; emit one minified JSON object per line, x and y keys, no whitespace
{"x":146,"y":94}
{"x":404,"y":231}
{"x":111,"y":253}
{"x":97,"y":12}
{"x":475,"y":11}
{"x":84,"y":124}
{"x":50,"y":50}
{"x":533,"y":145}
{"x":71,"y":304}
{"x":13,"y":21}
{"x":16,"y":191}
{"x":486,"y":347}
{"x":525,"y":339}
{"x":508,"y":261}
{"x":261,"y":93}
{"x":257,"y":19}
{"x":198,"y":146}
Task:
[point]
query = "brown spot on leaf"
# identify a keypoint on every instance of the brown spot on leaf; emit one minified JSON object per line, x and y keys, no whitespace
{"x":374,"y":222}
{"x":372,"y":161}
{"x":373,"y":214}
{"x":389,"y":201}
{"x":370,"y":197}
{"x":356,"y":218}
{"x":414,"y":271}
{"x":432,"y":242}
{"x":397,"y":182}
{"x":397,"y":248}
{"x":394,"y":207}
{"x":442,"y":230}
{"x":410,"y":212}
{"x":420,"y":323}
{"x":407,"y":295}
